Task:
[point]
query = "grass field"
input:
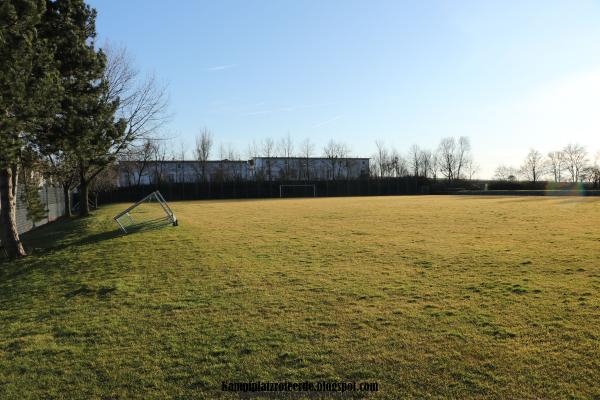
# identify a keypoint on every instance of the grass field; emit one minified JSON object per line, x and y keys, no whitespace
{"x":432,"y":297}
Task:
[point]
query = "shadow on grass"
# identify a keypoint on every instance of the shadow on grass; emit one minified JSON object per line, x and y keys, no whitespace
{"x":149,"y":225}
{"x":85,"y":290}
{"x":73,"y":232}
{"x":63,"y":233}
{"x":46,"y":266}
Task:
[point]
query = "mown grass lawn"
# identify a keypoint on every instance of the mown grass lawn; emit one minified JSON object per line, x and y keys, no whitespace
{"x":432,"y":297}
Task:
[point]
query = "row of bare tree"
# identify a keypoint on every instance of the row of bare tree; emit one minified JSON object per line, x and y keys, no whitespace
{"x":451,"y":160}
{"x":571,"y":164}
{"x":150,"y":156}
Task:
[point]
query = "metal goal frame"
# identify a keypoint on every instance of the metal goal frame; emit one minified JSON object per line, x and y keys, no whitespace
{"x":314,"y":187}
{"x":156,"y":195}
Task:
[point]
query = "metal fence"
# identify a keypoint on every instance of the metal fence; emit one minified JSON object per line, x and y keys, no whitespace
{"x":52,"y":198}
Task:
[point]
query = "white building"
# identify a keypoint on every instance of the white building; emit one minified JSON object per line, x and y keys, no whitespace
{"x":313,"y":168}
{"x":174,"y":171}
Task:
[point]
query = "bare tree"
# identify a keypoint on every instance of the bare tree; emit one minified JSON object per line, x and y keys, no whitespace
{"x":204,"y":143}
{"x":286,"y":149}
{"x":505,"y":173}
{"x":230,"y":165}
{"x":447,"y":157}
{"x":344,"y":155}
{"x":127,"y":168}
{"x":398,"y":164}
{"x":143,"y":101}
{"x":401,"y":166}
{"x":268,"y":149}
{"x":471,"y":168}
{"x":159,"y":156}
{"x":533,"y":166}
{"x":463,"y":155}
{"x":231,"y":152}
{"x":381,"y":159}
{"x":106,"y":180}
{"x":136,"y":160}
{"x":594,"y":176}
{"x":235,"y":170}
{"x":433,"y":170}
{"x":426,"y":163}
{"x":307,"y":150}
{"x":219,"y":173}
{"x":575,"y":160}
{"x":142,"y":111}
{"x":414,"y":159}
{"x":120,"y":72}
{"x":334,"y":152}
{"x":181,"y":164}
{"x":253,"y":150}
{"x":593,"y":172}
{"x":555,"y":164}
{"x":141,"y":160}
{"x":146,"y":153}
{"x":452,"y":157}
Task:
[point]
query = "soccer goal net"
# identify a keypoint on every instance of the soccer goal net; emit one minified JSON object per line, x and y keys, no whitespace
{"x":297,"y":191}
{"x":150,"y":212}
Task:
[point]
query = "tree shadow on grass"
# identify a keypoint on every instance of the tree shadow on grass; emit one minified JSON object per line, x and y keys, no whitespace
{"x":74,"y":232}
{"x":66,"y":232}
{"x":48,"y":269}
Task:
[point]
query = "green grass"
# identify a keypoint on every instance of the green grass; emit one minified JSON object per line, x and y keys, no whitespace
{"x":433,"y":297}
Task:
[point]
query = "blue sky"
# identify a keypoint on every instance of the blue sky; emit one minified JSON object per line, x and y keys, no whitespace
{"x":509,"y":74}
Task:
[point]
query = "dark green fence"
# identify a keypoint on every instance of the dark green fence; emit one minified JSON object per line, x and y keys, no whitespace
{"x":265,"y":189}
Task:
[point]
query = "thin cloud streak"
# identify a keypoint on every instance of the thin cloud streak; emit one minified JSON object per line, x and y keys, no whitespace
{"x":288,"y":109}
{"x":259,"y":112}
{"x":221,"y":67}
{"x":327,"y":121}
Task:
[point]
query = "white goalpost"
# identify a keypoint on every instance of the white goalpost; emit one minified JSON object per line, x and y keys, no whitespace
{"x":311,"y":190}
{"x":126,"y":220}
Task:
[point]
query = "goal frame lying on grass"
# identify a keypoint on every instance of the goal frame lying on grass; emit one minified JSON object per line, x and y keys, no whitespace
{"x":156,"y":195}
{"x":314,"y":188}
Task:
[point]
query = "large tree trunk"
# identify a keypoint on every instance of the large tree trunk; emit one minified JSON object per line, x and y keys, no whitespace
{"x":84,"y":194}
{"x":67,"y":195}
{"x":8,"y":213}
